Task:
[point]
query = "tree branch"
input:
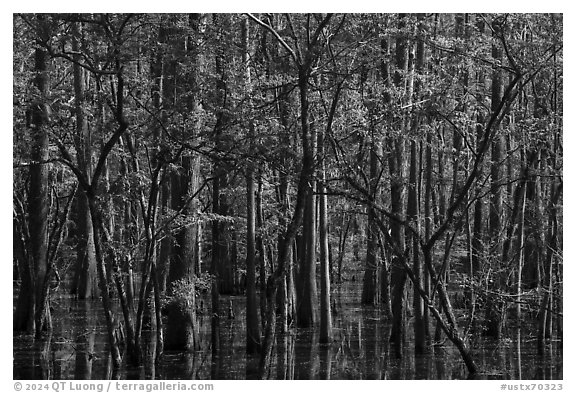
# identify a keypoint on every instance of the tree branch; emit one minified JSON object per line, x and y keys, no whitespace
{"x":275,"y":33}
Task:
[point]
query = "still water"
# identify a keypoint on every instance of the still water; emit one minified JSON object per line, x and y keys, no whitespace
{"x":78,"y":349}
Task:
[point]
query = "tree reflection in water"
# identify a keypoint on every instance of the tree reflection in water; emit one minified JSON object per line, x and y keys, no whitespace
{"x":77,"y":349}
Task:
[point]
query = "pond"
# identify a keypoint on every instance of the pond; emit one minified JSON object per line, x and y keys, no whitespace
{"x":78,"y":349}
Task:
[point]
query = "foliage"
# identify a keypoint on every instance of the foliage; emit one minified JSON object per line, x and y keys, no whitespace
{"x":179,"y":117}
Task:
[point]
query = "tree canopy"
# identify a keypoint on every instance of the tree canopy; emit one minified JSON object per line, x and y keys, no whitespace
{"x":156,"y":156}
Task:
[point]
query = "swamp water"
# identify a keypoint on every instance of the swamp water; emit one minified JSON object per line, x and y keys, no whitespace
{"x":77,"y":349}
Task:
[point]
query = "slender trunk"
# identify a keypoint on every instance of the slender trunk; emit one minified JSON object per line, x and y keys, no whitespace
{"x":412,"y":215}
{"x":325,"y":309}
{"x":412,"y":208}
{"x":478,"y":229}
{"x":343,"y":236}
{"x":252,"y":323}
{"x":287,"y":286}
{"x":450,"y":328}
{"x":127,"y":309}
{"x":520,"y":254}
{"x":215,"y":318}
{"x":544,"y":330}
{"x":395,"y":166}
{"x":398,"y":277}
{"x":495,"y":312}
{"x":421,"y":327}
{"x":386,"y":299}
{"x":160,"y":101}
{"x":387,"y":264}
{"x":26,"y":303}
{"x":261,"y":251}
{"x":158,"y":314}
{"x":369,"y":284}
{"x":478,"y":237}
{"x":535,"y":249}
{"x":222,"y":235}
{"x":165,"y":247}
{"x":103,"y":284}
{"x":428,"y":220}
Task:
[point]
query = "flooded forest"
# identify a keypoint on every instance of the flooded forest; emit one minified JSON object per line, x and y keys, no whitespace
{"x":287,"y":196}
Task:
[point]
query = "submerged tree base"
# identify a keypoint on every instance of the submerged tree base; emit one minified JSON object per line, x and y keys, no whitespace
{"x":360,"y":350}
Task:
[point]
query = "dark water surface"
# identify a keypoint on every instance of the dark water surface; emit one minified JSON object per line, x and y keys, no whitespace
{"x":78,"y":349}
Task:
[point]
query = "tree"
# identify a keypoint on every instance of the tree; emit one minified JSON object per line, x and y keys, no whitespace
{"x":86,"y":258}
{"x":325,"y":303}
{"x":396,"y":168}
{"x":316,"y":130}
{"x":182,"y":330}
{"x":305,"y":59}
{"x":252,"y":323}
{"x":495,"y":312}
{"x":32,"y":311}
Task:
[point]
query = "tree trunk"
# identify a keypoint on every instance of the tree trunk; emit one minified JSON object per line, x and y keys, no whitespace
{"x":287,"y":285}
{"x":421,"y":323}
{"x":308,"y":302}
{"x":38,"y":192}
{"x":325,"y":309}
{"x":386,"y":299}
{"x":85,"y":254}
{"x":520,"y":251}
{"x":103,"y":284}
{"x":221,"y":230}
{"x":450,"y":328}
{"x":308,"y":299}
{"x":495,"y":306}
{"x":413,"y":215}
{"x":252,"y":323}
{"x":478,"y":228}
{"x":544,"y":329}
{"x":369,"y":284}
{"x":428,"y":221}
{"x":26,"y":304}
{"x":304,"y":197}
{"x":261,"y":251}
{"x":395,"y":166}
{"x":182,"y":329}
{"x":412,"y":208}
{"x":478,"y":238}
{"x":397,"y":334}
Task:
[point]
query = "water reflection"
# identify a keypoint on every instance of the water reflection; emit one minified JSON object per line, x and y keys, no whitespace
{"x":286,"y":347}
{"x":78,"y":349}
{"x":325,"y":362}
